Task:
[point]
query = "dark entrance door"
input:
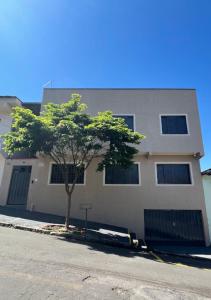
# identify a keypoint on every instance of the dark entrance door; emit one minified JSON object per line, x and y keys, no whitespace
{"x":174,"y":226}
{"x":19,"y":185}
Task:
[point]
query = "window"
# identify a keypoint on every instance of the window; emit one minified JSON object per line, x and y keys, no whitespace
{"x":129,"y":120}
{"x":119,"y":175}
{"x":57,"y":177}
{"x":174,"y":124}
{"x":173,"y":174}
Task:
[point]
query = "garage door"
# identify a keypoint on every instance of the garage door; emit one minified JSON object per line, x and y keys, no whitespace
{"x":174,"y":226}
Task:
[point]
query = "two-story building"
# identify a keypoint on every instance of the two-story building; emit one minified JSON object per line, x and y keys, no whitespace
{"x":160,"y":197}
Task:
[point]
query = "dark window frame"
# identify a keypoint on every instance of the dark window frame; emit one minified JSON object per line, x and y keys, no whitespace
{"x":124,"y":184}
{"x":62,"y":183}
{"x":126,"y":115}
{"x":174,"y":184}
{"x":175,"y":134}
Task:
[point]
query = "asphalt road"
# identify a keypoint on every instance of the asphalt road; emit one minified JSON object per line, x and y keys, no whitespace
{"x":36,"y":266}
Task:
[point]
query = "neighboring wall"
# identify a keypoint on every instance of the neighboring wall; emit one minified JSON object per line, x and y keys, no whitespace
{"x":206,"y":179}
{"x":5,"y":125}
{"x":2,"y":162}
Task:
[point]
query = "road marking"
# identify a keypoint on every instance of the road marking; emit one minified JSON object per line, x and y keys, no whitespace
{"x":182,"y":265}
{"x":157,"y":257}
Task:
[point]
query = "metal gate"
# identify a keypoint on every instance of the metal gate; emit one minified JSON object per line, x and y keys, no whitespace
{"x":19,"y":185}
{"x":174,"y":226}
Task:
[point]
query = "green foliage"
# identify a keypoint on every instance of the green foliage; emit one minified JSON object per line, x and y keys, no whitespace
{"x":65,"y":132}
{"x":27,"y":132}
{"x":115,"y":134}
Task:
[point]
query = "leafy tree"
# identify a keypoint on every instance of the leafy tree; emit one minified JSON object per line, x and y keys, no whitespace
{"x":65,"y":132}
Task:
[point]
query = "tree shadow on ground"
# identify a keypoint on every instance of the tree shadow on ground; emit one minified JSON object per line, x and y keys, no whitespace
{"x":185,"y":261}
{"x":30,"y":215}
{"x":22,"y":213}
{"x":113,"y":250}
{"x":150,"y":255}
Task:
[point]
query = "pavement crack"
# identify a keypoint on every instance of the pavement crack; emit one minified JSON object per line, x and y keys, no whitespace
{"x":85,"y":278}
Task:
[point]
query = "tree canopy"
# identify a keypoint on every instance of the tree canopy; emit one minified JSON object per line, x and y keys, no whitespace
{"x":66,"y":133}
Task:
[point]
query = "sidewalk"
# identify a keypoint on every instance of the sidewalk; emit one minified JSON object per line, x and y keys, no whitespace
{"x":184,"y":251}
{"x":101,"y":233}
{"x":35,"y":221}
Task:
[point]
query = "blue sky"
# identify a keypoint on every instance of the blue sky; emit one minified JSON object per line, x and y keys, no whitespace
{"x":107,"y":43}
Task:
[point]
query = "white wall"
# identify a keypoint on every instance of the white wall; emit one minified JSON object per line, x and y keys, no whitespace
{"x":207,"y":192}
{"x":146,"y":105}
{"x":115,"y":205}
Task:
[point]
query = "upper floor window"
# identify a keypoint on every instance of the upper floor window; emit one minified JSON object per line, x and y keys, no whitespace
{"x":170,"y":173}
{"x":56,"y":176}
{"x":129,"y":120}
{"x":121,"y":176}
{"x":172,"y":124}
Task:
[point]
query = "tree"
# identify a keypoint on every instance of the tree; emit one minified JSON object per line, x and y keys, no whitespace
{"x":65,"y":132}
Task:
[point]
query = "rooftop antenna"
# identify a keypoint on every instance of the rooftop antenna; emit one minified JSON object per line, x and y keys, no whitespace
{"x":47,"y":84}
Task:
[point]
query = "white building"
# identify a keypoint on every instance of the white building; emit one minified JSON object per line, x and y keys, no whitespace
{"x":160,"y":198}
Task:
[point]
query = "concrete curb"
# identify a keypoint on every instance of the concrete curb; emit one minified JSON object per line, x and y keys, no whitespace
{"x":4,"y":224}
{"x":91,"y":240}
{"x":182,"y":255}
{"x":67,"y":236}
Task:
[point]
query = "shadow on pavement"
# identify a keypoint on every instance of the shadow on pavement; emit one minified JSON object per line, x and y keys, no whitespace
{"x":190,"y":250}
{"x":159,"y":258}
{"x":185,"y":261}
{"x":112,"y":250}
{"x":107,"y":249}
{"x":16,"y":212}
{"x":28,"y":215}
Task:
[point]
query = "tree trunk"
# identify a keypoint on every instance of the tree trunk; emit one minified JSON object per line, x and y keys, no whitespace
{"x":67,"y":219}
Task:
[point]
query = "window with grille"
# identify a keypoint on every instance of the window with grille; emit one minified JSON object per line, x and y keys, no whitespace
{"x":174,"y":124}
{"x":173,"y":174}
{"x":119,"y":175}
{"x":57,"y":175}
{"x":129,"y":120}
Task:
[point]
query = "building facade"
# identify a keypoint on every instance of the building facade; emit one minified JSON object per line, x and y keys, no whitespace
{"x":160,"y":197}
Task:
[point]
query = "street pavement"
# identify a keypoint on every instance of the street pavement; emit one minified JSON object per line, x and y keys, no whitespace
{"x":38,"y":266}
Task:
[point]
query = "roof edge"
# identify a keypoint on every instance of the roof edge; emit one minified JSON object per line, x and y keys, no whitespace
{"x":75,"y":88}
{"x":11,"y":97}
{"x":206,"y":172}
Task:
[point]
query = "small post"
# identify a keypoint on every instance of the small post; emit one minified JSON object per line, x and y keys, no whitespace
{"x":86,"y":206}
{"x":86,"y":213}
